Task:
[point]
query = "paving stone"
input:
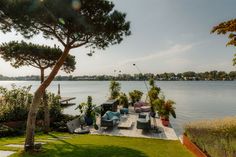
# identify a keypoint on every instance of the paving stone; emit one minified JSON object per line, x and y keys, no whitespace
{"x":21,"y":145}
{"x":15,"y":145}
{"x":4,"y":153}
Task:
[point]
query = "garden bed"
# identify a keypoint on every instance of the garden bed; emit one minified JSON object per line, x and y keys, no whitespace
{"x":216,"y":137}
{"x":192,"y":147}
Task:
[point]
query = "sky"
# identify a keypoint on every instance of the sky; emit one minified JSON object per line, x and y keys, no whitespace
{"x":167,"y":36}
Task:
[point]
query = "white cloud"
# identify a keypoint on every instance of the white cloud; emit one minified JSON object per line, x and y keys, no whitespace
{"x":168,"y":53}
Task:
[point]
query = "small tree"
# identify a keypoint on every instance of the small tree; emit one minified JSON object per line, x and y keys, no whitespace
{"x":37,"y":56}
{"x":114,"y":89}
{"x":227,"y":27}
{"x":74,"y":23}
{"x":154,"y":91}
{"x":135,"y":96}
{"x":123,"y":100}
{"x":165,"y":108}
{"x":90,"y":112}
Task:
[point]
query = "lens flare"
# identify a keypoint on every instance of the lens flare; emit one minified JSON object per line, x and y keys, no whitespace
{"x":76,"y":5}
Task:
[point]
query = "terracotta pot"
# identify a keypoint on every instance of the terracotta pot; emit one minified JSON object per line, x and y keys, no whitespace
{"x":162,"y":117}
{"x":165,"y":122}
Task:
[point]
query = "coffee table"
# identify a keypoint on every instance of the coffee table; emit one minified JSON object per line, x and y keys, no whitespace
{"x":126,"y":124}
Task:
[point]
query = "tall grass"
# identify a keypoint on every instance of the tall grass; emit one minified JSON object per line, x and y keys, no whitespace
{"x":216,"y":137}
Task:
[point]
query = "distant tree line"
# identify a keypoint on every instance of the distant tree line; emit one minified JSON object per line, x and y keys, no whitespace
{"x":185,"y":76}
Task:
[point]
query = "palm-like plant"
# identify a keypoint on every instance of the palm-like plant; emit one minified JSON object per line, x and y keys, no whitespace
{"x":124,"y":100}
{"x":165,"y":108}
{"x":135,"y":96}
{"x":89,"y":110}
{"x":114,"y":89}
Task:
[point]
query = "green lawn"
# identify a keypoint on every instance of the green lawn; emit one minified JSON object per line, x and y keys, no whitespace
{"x":101,"y":146}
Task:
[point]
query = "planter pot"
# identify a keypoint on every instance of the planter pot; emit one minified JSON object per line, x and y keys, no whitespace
{"x":165,"y":122}
{"x":162,"y":118}
{"x":88,"y":121}
{"x":192,"y":147}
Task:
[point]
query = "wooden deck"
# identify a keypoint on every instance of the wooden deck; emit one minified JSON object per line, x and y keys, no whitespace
{"x":160,"y":131}
{"x":65,"y":101}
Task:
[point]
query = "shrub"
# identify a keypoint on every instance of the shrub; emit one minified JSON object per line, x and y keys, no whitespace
{"x":114,"y":89}
{"x":123,"y":100}
{"x":14,"y":104}
{"x":7,"y":131}
{"x":216,"y":137}
{"x":165,"y":108}
{"x":54,"y":106}
{"x":60,"y":123}
{"x":135,"y":96}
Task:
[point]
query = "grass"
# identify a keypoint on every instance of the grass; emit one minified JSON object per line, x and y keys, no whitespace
{"x":217,"y":137}
{"x":100,"y":146}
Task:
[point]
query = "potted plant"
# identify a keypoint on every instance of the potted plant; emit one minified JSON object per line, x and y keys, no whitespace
{"x":153,"y":95}
{"x":123,"y":100}
{"x":135,"y":96}
{"x":89,"y":111}
{"x":165,"y":109}
{"x":114,"y":90}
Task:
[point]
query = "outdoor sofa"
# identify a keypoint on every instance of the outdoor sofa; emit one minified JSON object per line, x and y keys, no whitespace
{"x":110,"y":119}
{"x":141,"y":107}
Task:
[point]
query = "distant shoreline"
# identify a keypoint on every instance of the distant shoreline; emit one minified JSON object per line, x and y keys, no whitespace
{"x":185,"y":76}
{"x":137,"y":80}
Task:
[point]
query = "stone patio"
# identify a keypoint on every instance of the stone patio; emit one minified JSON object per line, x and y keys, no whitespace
{"x":159,"y":131}
{"x":4,"y":153}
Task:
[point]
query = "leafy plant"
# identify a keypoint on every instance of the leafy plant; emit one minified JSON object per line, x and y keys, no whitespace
{"x":165,"y":108}
{"x":123,"y":100}
{"x":153,"y":93}
{"x":15,"y":102}
{"x":7,"y":131}
{"x":216,"y":137}
{"x":135,"y":96}
{"x":54,"y":106}
{"x":114,"y":89}
{"x":89,"y":110}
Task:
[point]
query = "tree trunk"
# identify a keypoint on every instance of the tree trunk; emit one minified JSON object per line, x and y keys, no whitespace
{"x":46,"y":114}
{"x":30,"y":128}
{"x":46,"y":107}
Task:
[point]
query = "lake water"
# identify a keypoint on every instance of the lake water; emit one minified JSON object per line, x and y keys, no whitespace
{"x":194,"y":99}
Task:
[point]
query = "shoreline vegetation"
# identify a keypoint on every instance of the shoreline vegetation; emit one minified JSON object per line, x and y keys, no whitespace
{"x":215,"y":137}
{"x":185,"y":76}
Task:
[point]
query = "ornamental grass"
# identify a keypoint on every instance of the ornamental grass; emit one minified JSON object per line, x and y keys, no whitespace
{"x":215,"y":137}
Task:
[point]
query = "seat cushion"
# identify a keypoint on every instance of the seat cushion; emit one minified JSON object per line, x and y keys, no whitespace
{"x":115,"y":118}
{"x":124,"y":110}
{"x":105,"y":117}
{"x":109,"y":115}
{"x":145,"y":108}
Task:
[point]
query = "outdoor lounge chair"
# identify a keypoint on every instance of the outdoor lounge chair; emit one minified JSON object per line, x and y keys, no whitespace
{"x":141,"y":107}
{"x":124,"y":111}
{"x":144,"y":121}
{"x":73,"y":125}
{"x":110,"y":119}
{"x":76,"y":126}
